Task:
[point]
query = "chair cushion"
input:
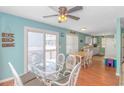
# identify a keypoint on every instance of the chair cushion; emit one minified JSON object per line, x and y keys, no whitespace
{"x":62,"y":79}
{"x":27,"y":77}
{"x":35,"y":82}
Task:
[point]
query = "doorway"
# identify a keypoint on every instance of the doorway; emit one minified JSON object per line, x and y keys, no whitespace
{"x":42,"y":48}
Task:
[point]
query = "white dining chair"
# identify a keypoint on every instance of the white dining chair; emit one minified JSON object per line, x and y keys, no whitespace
{"x":71,"y":79}
{"x":17,"y":80}
{"x":90,"y":57}
{"x":70,"y":63}
{"x":35,"y":60}
{"x":61,"y":60}
{"x":27,"y":79}
{"x":85,"y":59}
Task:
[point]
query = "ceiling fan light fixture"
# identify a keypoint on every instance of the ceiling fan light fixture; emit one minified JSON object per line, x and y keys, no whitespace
{"x":62,"y":18}
{"x":83,"y":29}
{"x":64,"y":13}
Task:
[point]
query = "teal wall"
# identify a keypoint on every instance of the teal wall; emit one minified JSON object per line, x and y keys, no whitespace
{"x":81,"y":37}
{"x":14,"y":24}
{"x":118,"y":43}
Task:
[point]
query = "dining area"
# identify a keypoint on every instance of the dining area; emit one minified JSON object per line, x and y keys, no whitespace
{"x":64,"y":72}
{"x":47,"y":55}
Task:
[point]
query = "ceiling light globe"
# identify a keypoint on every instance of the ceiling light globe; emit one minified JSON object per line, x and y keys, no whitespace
{"x":62,"y":16}
{"x":59,"y":17}
{"x":65,"y":18}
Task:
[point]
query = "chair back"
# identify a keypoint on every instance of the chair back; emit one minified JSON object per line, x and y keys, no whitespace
{"x":72,"y":78}
{"x":74,"y":75}
{"x":70,"y":62}
{"x":86,"y":56}
{"x":60,"y":59}
{"x":35,"y":60}
{"x":17,"y":80}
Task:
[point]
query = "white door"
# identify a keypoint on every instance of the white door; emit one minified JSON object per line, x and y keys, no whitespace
{"x":42,"y":49}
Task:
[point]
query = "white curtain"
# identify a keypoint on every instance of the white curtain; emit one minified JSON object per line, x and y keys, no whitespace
{"x":71,"y":43}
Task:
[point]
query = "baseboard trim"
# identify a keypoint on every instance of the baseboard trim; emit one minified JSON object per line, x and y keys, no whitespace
{"x":10,"y":78}
{"x":7,"y":79}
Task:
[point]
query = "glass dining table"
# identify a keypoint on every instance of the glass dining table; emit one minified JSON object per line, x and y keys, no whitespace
{"x":48,"y":73}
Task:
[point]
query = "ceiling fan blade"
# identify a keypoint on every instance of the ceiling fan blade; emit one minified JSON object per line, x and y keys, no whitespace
{"x":53,"y":8}
{"x":74,"y":9}
{"x":50,"y":16}
{"x":73,"y":17}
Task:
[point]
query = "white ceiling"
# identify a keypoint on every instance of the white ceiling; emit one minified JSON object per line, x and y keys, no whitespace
{"x":97,"y":20}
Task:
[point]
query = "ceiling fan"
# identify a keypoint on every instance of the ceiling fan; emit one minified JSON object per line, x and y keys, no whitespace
{"x":64,"y":13}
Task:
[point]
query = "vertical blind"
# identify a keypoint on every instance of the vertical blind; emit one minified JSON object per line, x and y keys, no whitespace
{"x":71,"y":43}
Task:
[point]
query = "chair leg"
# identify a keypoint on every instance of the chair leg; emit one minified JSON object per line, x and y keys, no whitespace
{"x":87,"y":62}
{"x":91,"y":60}
{"x":83,"y":64}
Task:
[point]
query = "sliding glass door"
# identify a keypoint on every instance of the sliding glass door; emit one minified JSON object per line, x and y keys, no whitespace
{"x":42,"y":49}
{"x":50,"y":51}
{"x":35,"y":48}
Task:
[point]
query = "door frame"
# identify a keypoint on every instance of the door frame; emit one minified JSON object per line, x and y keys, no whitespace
{"x":44,"y":31}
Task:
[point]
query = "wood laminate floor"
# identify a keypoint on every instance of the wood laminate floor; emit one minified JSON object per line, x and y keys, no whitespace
{"x":97,"y":74}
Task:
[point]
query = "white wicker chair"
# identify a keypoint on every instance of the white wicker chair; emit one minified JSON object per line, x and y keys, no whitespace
{"x":90,"y":57}
{"x":61,"y":60}
{"x":17,"y":80}
{"x":85,"y":59}
{"x":35,"y":60}
{"x":28,"y":79}
{"x":70,"y":63}
{"x":72,"y":79}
